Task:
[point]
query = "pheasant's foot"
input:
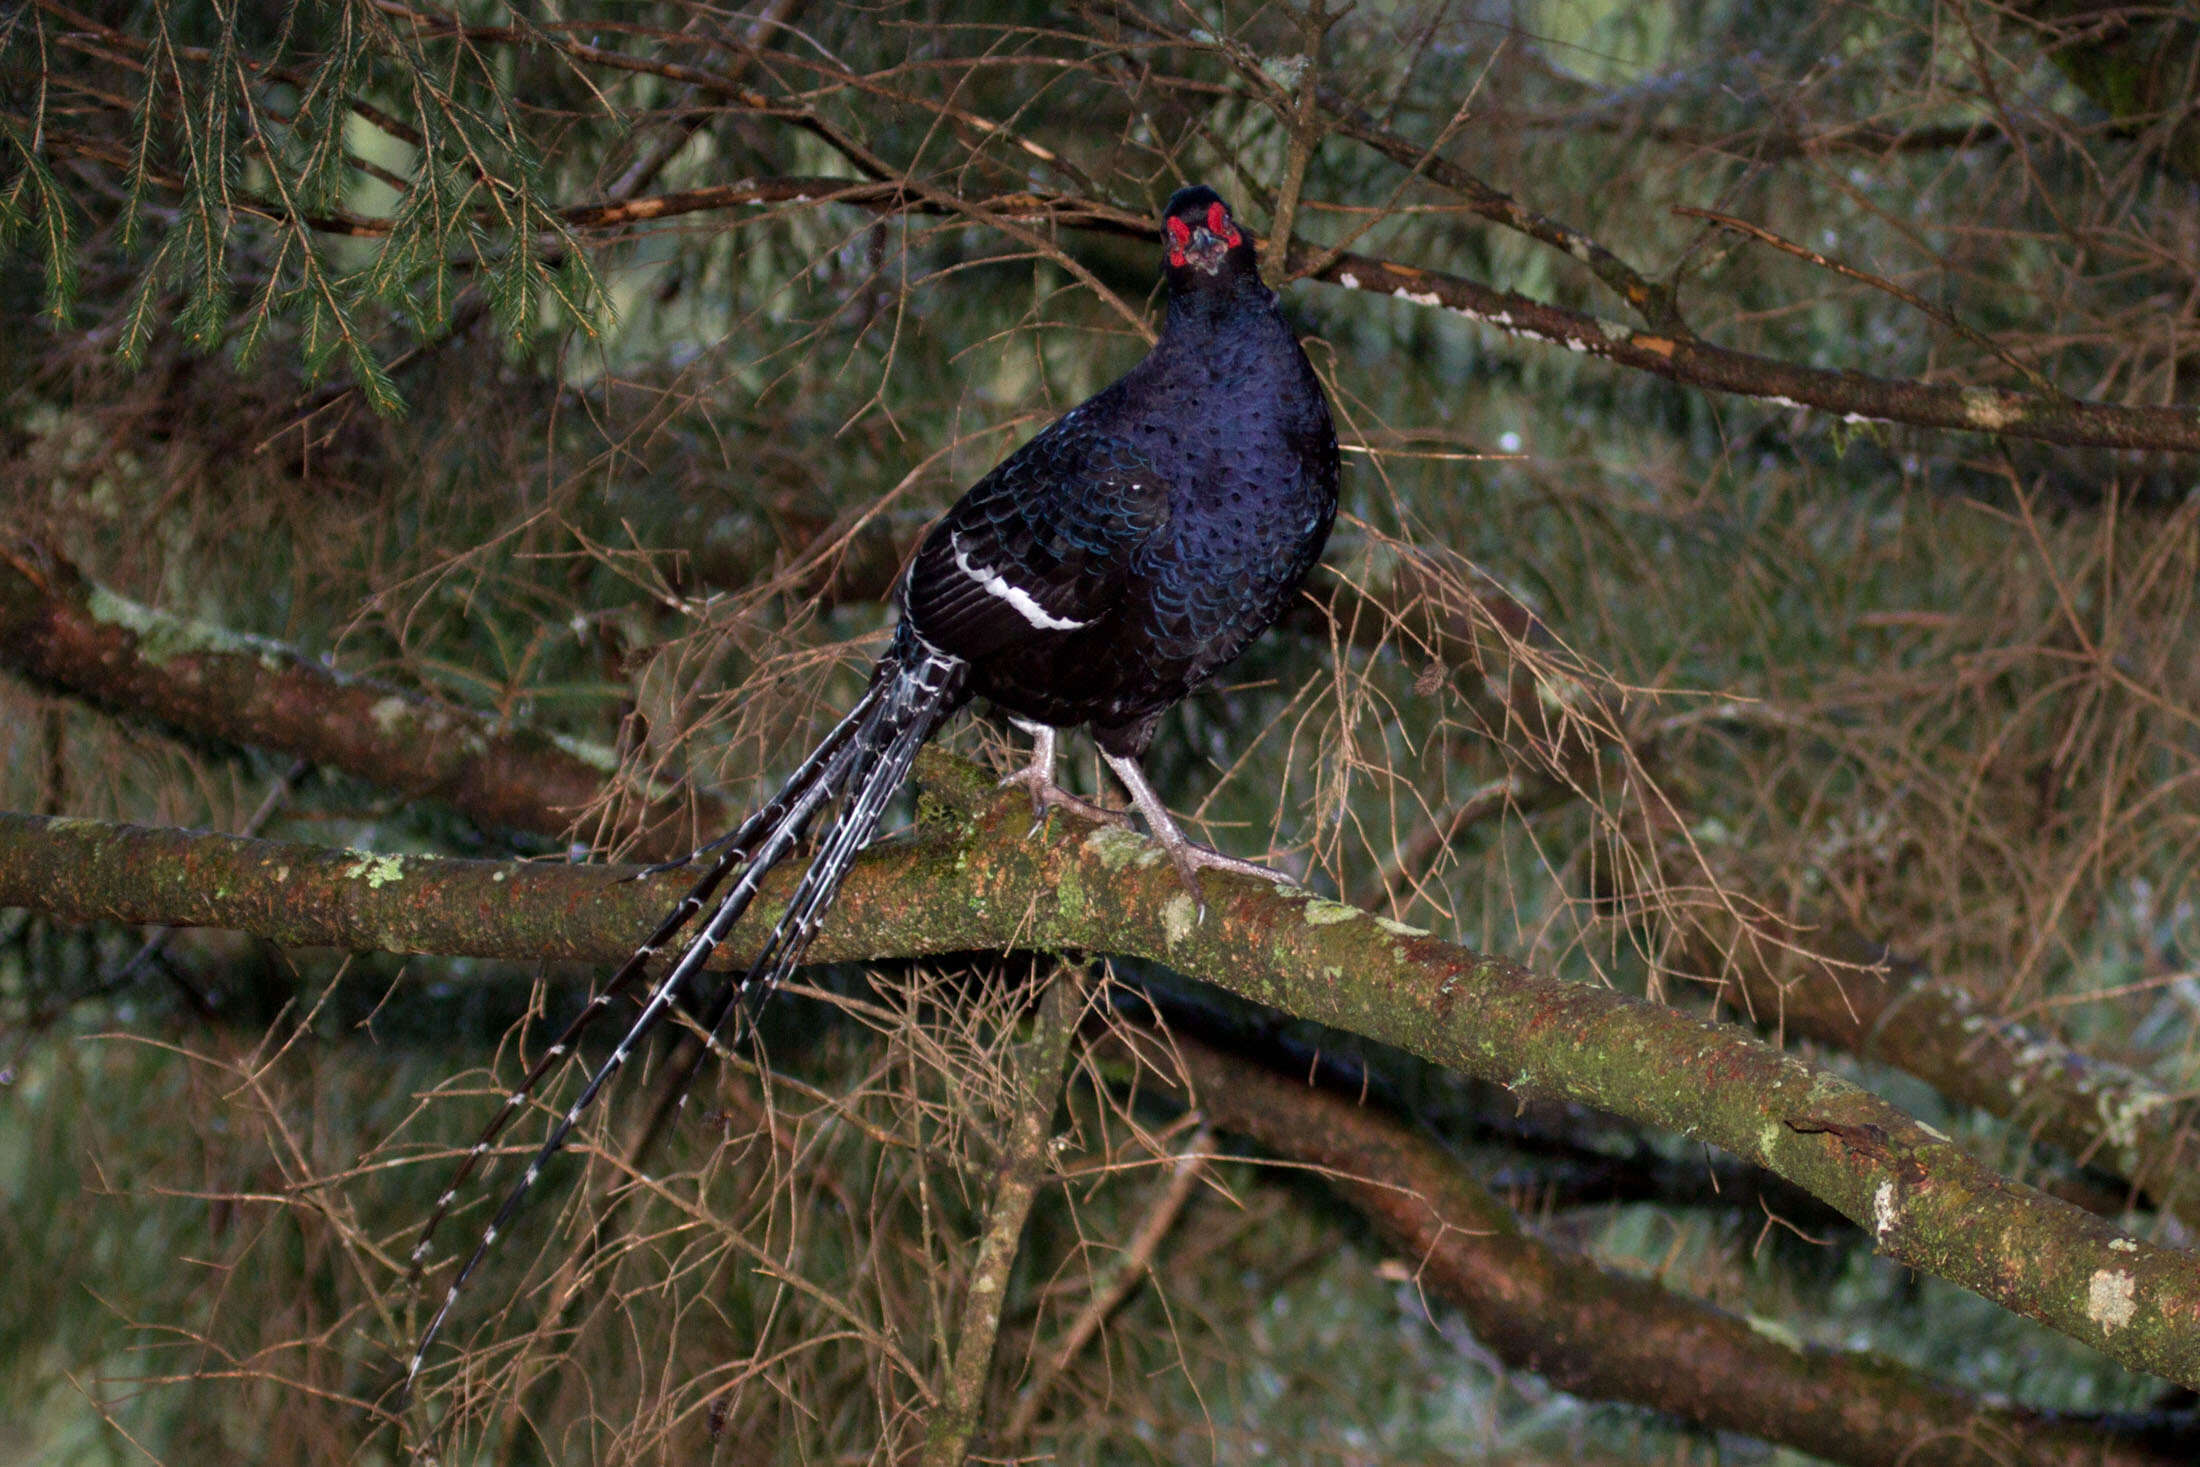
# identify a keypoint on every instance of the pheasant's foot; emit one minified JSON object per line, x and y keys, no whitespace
{"x":1190,"y":858}
{"x":1187,"y":855}
{"x":1047,"y":795}
{"x":1038,"y":778}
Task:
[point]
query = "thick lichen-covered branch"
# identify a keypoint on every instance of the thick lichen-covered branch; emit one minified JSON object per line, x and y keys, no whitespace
{"x":62,"y":630}
{"x":1828,"y":982}
{"x":2099,"y":1113}
{"x":970,"y":880}
{"x":1540,"y":1307}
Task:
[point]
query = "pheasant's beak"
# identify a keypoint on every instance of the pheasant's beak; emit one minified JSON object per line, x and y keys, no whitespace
{"x":1206,"y":249}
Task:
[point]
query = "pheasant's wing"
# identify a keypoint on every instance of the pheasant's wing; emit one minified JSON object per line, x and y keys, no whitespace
{"x":1042,"y":546}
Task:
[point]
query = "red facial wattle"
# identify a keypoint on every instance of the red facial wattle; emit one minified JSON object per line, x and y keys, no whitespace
{"x":1215,"y":236}
{"x":1180,"y":239}
{"x":1219,"y":225}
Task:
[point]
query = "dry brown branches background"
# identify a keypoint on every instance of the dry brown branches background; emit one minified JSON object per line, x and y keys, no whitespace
{"x":1764,"y":586}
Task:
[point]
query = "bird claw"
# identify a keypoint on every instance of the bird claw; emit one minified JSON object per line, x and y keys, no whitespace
{"x":1047,"y":797}
{"x":1191,"y":858}
{"x":1187,"y":855}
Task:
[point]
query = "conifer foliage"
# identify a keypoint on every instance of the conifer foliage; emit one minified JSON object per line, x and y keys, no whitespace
{"x":1737,"y":747}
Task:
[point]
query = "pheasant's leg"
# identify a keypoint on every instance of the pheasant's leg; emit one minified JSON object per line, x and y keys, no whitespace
{"x":1038,"y":777}
{"x":1189,"y":856}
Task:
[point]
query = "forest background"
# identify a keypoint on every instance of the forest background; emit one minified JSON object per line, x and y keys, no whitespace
{"x":1744,"y":736}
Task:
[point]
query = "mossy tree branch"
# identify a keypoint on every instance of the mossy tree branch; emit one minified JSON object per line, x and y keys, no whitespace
{"x":1542,"y":1307}
{"x":1827,"y":981}
{"x":58,"y":629}
{"x":2099,"y":1113}
{"x":968,"y":879}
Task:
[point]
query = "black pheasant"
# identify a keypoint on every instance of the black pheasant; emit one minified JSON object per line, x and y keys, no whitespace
{"x":1100,"y":573}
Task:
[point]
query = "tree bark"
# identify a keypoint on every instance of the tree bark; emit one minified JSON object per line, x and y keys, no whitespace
{"x":969,"y":879}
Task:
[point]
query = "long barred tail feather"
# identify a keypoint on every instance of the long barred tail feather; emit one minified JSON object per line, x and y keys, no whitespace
{"x":735,"y":847}
{"x":871,"y":785}
{"x":865,"y":758}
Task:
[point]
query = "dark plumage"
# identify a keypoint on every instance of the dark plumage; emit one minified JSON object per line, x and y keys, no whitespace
{"x":1100,"y":573}
{"x":1158,"y":527}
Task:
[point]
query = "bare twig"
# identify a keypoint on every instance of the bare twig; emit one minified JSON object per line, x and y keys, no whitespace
{"x":1909,"y":298}
{"x":1027,"y":1157}
{"x":1122,"y":1276}
{"x":1305,"y":136}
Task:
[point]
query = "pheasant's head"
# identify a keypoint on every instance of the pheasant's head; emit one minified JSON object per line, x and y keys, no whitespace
{"x":1200,"y":234}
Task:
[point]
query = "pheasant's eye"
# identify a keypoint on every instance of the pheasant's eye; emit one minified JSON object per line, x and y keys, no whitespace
{"x":1180,"y":233}
{"x":1218,"y":220}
